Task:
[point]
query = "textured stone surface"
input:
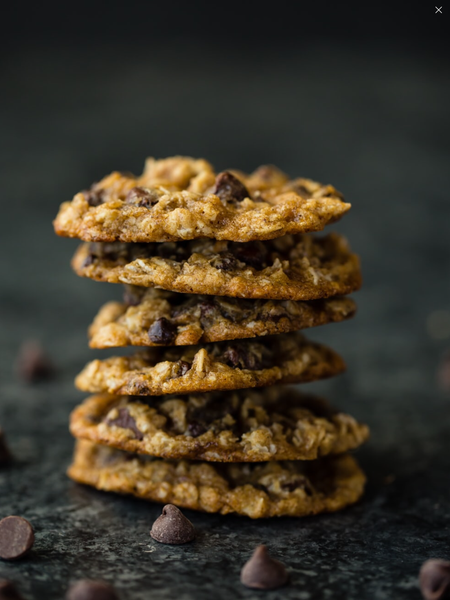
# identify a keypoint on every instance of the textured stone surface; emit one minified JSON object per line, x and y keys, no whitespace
{"x":376,"y":125}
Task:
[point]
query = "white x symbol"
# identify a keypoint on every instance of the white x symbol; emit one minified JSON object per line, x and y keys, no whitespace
{"x":438,"y":10}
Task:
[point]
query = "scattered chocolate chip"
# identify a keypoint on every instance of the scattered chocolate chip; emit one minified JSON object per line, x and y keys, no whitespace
{"x":132,"y":295}
{"x":162,"y":331}
{"x":434,"y":579}
{"x":142,"y":197}
{"x":183,"y":367}
{"x":94,"y":197}
{"x":195,"y":428}
{"x":91,"y":590}
{"x":32,"y":363}
{"x":126,"y":421}
{"x":444,"y":372}
{"x":253,"y":254}
{"x":229,"y":188}
{"x":5,"y":455}
{"x":224,"y":262}
{"x":8,"y":591}
{"x":172,"y":527}
{"x":262,"y":572}
{"x":16,"y":537}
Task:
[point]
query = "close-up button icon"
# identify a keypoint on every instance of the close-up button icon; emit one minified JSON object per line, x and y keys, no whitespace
{"x":438,"y":10}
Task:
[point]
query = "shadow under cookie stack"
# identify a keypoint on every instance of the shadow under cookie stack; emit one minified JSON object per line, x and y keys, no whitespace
{"x":220,"y":272}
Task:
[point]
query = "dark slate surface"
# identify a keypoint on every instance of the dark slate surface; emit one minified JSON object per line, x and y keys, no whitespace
{"x":373,"y":122}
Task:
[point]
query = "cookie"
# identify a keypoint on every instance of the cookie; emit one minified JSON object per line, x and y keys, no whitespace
{"x":183,"y":199}
{"x":286,"y":358}
{"x":150,"y":317}
{"x":299,"y":267}
{"x":244,"y":426}
{"x":257,"y":490}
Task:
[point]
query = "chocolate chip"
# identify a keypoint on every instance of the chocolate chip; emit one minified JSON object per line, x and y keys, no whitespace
{"x":162,"y":331}
{"x":183,"y":367}
{"x":126,"y":421}
{"x":195,"y":428}
{"x":262,"y":572}
{"x":16,"y":537}
{"x":207,"y":309}
{"x":239,"y":357}
{"x":5,"y":455}
{"x":172,"y":527}
{"x":88,"y":260}
{"x":132,"y":295}
{"x":91,"y":590}
{"x":295,"y":484}
{"x":94,"y":197}
{"x":224,"y":262}
{"x":434,"y":579}
{"x":253,"y":254}
{"x":8,"y":591}
{"x":142,"y":197}
{"x":32,"y":363}
{"x":229,"y":188}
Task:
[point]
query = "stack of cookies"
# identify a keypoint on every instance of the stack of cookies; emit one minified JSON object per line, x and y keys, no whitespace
{"x":220,"y":272}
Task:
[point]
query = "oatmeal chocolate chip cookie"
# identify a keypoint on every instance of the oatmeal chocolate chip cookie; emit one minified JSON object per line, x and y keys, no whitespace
{"x":244,"y":426}
{"x":286,"y":358}
{"x":183,"y":199}
{"x":299,"y":267}
{"x":150,"y":317}
{"x":290,"y":488}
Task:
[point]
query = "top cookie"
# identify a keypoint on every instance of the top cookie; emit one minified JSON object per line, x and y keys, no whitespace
{"x":181,"y":198}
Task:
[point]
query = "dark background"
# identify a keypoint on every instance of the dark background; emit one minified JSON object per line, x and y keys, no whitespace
{"x":354,"y":95}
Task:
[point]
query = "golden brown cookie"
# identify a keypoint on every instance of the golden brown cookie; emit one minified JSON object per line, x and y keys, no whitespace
{"x":182,"y":198}
{"x":150,"y":317}
{"x":290,"y":488}
{"x":299,"y":267}
{"x":286,"y":358}
{"x":241,"y":426}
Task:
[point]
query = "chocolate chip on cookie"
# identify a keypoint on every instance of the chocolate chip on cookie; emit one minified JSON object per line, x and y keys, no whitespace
{"x":132,"y":295}
{"x":5,"y":455}
{"x":16,"y":537}
{"x":183,"y":367}
{"x":172,"y":527}
{"x":225,"y":262}
{"x":126,"y":421}
{"x":253,"y":254}
{"x":195,"y":428}
{"x":434,"y":579}
{"x":162,"y":331}
{"x":8,"y":591}
{"x":142,"y":197}
{"x":94,"y":197}
{"x":32,"y":363}
{"x":263,"y":572}
{"x":91,"y":590}
{"x":229,"y":188}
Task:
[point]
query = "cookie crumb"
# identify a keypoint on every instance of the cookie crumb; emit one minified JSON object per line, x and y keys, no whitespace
{"x":32,"y":362}
{"x":434,"y":579}
{"x":87,"y":589}
{"x":262,"y":572}
{"x":172,"y":527}
{"x":16,"y":537}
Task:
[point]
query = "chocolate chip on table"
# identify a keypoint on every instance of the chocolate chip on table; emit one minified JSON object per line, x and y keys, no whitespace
{"x":126,"y":421}
{"x":262,"y":572}
{"x":162,"y":331}
{"x":172,"y":527}
{"x":142,"y":197}
{"x":229,"y":188}
{"x":32,"y":363}
{"x":16,"y":537}
{"x":86,"y":589}
{"x":5,"y":454}
{"x":8,"y":591}
{"x":434,"y":579}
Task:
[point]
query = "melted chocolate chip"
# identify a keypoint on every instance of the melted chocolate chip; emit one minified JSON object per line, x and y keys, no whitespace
{"x":91,"y":590}
{"x":16,"y":537}
{"x":253,"y":254}
{"x":5,"y":455}
{"x":162,"y":331}
{"x":172,"y":527}
{"x":94,"y":197}
{"x":224,"y":262}
{"x":262,"y":572}
{"x":229,"y":188}
{"x":126,"y":421}
{"x":183,"y":367}
{"x":8,"y":591}
{"x":32,"y":363}
{"x":142,"y":197}
{"x":434,"y":579}
{"x":195,"y":428}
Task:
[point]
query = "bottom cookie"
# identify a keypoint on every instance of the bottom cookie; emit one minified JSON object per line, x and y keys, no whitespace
{"x":270,"y":489}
